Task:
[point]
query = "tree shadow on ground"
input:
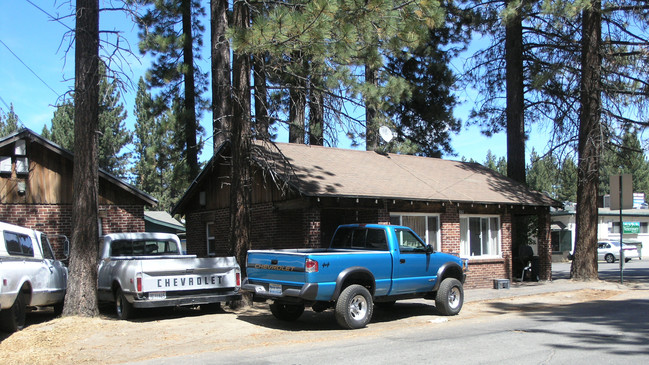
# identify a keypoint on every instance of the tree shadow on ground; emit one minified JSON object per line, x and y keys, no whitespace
{"x":623,"y":324}
{"x":326,"y":321}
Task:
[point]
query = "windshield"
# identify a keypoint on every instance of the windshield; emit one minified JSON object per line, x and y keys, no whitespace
{"x":143,"y":248}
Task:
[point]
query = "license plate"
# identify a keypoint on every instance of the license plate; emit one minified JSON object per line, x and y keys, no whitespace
{"x":275,"y":289}
{"x":157,"y":295}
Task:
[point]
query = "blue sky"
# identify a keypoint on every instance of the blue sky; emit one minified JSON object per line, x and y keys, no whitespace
{"x":35,"y":72}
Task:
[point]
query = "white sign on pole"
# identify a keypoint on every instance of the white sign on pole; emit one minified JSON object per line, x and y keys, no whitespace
{"x":626,"y":193}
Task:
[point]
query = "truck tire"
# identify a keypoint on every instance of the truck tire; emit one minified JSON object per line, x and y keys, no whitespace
{"x":13,"y":319}
{"x":287,"y":312}
{"x":123,"y":308}
{"x":449,"y":297}
{"x":354,"y":307}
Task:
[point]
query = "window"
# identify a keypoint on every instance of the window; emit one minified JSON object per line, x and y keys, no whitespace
{"x":644,"y":227}
{"x":480,"y":236}
{"x":18,"y":244}
{"x":408,"y":242}
{"x":360,"y":238}
{"x":426,"y":226}
{"x":47,"y":249}
{"x":211,"y":239}
{"x":143,"y":248}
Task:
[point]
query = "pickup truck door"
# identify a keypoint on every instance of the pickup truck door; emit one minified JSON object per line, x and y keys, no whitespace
{"x":415,"y":271}
{"x":56,"y":273}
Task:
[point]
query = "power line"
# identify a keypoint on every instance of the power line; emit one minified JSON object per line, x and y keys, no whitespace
{"x":56,"y":19}
{"x":9,"y":110}
{"x":32,"y":71}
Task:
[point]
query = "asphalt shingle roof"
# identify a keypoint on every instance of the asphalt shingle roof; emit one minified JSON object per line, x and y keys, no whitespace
{"x":334,"y":172}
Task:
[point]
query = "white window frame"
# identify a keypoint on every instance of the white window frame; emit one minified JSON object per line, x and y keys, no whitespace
{"x":209,"y":238}
{"x":465,"y":244}
{"x":438,"y":238}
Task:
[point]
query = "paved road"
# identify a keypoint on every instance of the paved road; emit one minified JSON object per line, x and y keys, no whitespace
{"x":606,"y":331}
{"x":634,"y":270}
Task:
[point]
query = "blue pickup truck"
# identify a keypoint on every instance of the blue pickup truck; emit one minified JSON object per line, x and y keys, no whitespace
{"x":365,"y":264}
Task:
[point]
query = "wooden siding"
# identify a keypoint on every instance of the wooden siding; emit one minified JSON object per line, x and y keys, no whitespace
{"x":49,"y":181}
{"x":216,"y":186}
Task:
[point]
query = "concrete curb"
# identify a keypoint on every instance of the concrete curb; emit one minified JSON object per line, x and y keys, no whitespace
{"x":518,"y":289}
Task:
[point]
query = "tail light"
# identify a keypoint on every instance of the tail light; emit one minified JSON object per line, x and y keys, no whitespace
{"x":311,"y":265}
{"x":238,"y":279}
{"x":138,"y":283}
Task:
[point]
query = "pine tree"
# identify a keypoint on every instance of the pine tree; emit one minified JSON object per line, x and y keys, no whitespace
{"x":324,"y":43}
{"x":171,"y":31}
{"x":9,"y":124}
{"x":627,"y":158}
{"x":156,"y":159}
{"x":113,"y":137}
{"x":494,"y":163}
{"x":81,"y":294}
{"x":424,"y":114}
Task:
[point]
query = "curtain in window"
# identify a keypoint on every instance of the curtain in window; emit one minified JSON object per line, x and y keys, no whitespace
{"x":417,"y":223}
{"x":433,"y":227}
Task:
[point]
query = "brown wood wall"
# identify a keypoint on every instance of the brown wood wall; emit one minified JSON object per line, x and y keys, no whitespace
{"x":49,"y":181}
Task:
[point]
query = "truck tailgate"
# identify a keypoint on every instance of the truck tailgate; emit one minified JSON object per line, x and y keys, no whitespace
{"x":281,"y":266}
{"x":188,"y":273}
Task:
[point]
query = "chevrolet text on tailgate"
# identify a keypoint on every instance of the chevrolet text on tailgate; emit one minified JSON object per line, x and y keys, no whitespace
{"x":146,"y":270}
{"x":365,"y":264}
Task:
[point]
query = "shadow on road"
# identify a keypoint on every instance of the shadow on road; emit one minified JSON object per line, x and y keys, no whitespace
{"x":612,"y":326}
{"x":326,"y":321}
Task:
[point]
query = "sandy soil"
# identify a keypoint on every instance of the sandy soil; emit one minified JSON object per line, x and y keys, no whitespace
{"x":49,"y":340}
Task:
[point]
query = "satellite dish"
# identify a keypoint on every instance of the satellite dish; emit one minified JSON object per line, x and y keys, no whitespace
{"x":386,"y":134}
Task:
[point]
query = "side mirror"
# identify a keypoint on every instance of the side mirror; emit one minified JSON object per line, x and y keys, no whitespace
{"x":66,"y":247}
{"x":429,"y":249}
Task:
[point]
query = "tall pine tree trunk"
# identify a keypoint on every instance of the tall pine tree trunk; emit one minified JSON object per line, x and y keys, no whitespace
{"x":262,"y":120}
{"x":316,"y":112}
{"x":371,"y":127}
{"x":221,"y":85}
{"x":189,"y":114}
{"x":515,"y":114}
{"x":81,"y":298}
{"x":584,"y":264}
{"x":515,"y":98}
{"x":241,"y":142}
{"x":297,"y":105}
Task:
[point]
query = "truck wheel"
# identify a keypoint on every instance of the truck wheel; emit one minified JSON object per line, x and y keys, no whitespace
{"x":287,"y":312}
{"x":13,"y":319}
{"x":354,"y":307}
{"x":123,"y":308}
{"x":450,"y":297}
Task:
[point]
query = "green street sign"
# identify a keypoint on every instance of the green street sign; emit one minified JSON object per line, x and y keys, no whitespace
{"x":631,"y":227}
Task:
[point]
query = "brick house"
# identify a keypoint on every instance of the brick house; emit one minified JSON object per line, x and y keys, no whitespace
{"x":36,"y":190}
{"x":301,"y":193}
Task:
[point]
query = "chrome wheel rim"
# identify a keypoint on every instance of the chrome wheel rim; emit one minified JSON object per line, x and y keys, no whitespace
{"x":454,"y":297}
{"x":358,"y":307}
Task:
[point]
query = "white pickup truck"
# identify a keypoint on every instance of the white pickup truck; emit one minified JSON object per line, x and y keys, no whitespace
{"x":147,"y":270}
{"x":30,"y":276}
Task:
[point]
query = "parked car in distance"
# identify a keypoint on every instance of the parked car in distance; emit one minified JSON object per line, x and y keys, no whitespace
{"x":30,"y":275}
{"x":609,"y":251}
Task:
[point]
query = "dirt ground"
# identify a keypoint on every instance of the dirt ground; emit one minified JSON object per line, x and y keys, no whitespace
{"x":49,"y":340}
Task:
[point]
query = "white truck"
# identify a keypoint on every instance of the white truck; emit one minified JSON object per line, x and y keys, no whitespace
{"x":147,"y":270}
{"x":30,"y":275}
